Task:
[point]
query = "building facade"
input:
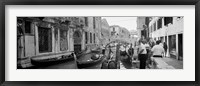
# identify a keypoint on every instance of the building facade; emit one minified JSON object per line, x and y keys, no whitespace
{"x":169,"y":30}
{"x":115,"y":31}
{"x":119,"y":33}
{"x":92,"y":32}
{"x":46,"y":36}
{"x":142,"y":26}
{"x":133,"y":36}
{"x":105,"y":32}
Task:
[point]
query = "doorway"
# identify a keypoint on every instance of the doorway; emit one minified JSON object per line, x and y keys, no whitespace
{"x":180,"y":46}
{"x":77,"y":41}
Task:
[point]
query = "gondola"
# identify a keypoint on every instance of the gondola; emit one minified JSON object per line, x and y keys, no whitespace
{"x":96,"y":51}
{"x":80,"y":54}
{"x":84,"y":52}
{"x":89,"y":62}
{"x":50,"y":61}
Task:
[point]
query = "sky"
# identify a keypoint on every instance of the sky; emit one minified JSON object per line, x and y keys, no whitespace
{"x":127,"y":22}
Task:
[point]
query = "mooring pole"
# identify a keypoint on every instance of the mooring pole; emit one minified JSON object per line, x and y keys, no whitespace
{"x":118,"y":56}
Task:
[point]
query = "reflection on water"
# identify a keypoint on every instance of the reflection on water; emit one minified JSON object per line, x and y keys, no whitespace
{"x":66,"y":65}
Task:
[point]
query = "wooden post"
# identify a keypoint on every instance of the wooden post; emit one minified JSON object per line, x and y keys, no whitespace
{"x":118,"y":56}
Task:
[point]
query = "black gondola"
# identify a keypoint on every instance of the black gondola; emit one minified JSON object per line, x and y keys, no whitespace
{"x":95,"y":51}
{"x":50,"y":61}
{"x":90,"y":62}
{"x":80,"y":54}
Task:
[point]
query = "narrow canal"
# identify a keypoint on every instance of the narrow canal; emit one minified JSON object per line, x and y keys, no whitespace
{"x":124,"y":62}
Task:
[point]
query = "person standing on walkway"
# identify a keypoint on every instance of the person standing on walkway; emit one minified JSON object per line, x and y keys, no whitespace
{"x":165,"y":48}
{"x":148,"y":49}
{"x":158,"y":50}
{"x":131,"y":51}
{"x":142,"y":54}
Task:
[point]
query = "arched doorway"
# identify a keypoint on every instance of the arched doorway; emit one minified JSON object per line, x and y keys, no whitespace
{"x":77,"y":41}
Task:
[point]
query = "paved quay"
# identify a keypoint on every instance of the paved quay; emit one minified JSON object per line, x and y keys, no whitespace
{"x":168,"y":63}
{"x":177,"y":64}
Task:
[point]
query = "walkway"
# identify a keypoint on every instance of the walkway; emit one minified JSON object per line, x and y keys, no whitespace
{"x":168,"y":63}
{"x":177,"y":64}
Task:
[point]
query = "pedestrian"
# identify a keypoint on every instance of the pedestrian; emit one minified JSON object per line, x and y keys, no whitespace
{"x":158,"y":50}
{"x":110,"y":52}
{"x":165,"y":48}
{"x":128,"y":54}
{"x":148,"y":49}
{"x":131,"y":52}
{"x":142,"y":54}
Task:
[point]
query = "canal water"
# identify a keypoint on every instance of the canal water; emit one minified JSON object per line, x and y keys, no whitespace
{"x":124,"y":63}
{"x":71,"y":64}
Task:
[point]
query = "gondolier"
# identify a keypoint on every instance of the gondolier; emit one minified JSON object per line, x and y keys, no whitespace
{"x":123,"y":51}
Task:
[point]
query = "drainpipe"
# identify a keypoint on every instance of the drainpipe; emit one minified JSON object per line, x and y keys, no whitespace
{"x":177,"y":54}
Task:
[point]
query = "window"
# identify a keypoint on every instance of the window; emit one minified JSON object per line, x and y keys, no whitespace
{"x":90,"y":37}
{"x":112,"y":33}
{"x":86,"y":37}
{"x":154,"y":26}
{"x":19,"y":28}
{"x":159,"y":23}
{"x":63,"y":40}
{"x":113,"y":28}
{"x":94,"y":23}
{"x":168,"y":20}
{"x":94,"y":37}
{"x":28,"y":27}
{"x":143,"y":33}
{"x":45,"y":39}
{"x":122,"y":31}
{"x":86,"y":21}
